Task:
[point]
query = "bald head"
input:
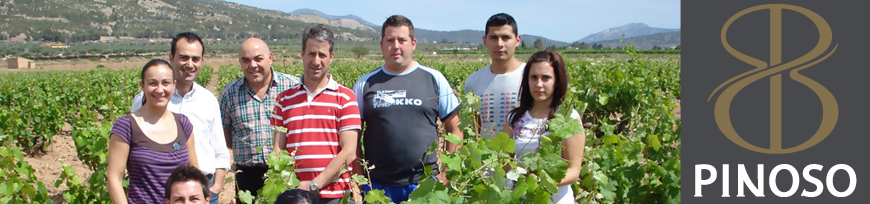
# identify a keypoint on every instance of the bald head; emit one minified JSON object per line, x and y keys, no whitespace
{"x":256,"y":61}
{"x":254,"y":44}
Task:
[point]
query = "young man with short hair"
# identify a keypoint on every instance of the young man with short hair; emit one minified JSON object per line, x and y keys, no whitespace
{"x":498,"y":84}
{"x":187,"y":184}
{"x":200,"y":106}
{"x":401,"y":103}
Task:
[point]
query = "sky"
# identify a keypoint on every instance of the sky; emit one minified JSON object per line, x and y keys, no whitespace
{"x":562,"y":20}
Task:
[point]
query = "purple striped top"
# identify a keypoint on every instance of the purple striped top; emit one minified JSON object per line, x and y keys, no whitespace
{"x":149,"y":163}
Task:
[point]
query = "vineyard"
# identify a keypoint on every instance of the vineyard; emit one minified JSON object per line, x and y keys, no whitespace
{"x":628,"y":106}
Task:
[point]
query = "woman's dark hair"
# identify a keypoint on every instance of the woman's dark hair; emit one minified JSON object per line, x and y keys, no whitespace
{"x":294,"y":196}
{"x":560,"y":88}
{"x":153,"y":63}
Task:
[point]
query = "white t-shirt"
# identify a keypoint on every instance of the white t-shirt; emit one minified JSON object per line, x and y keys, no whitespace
{"x":499,"y":94}
{"x":527,"y":133}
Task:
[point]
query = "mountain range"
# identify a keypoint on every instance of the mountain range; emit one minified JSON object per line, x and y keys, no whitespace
{"x":88,"y":20}
{"x":645,"y":42}
{"x":630,"y":30}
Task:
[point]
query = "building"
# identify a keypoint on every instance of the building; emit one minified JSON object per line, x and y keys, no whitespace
{"x":20,"y":63}
{"x":58,"y":46}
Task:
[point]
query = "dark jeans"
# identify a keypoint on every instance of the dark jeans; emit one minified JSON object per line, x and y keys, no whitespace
{"x":331,"y":200}
{"x":397,"y":194}
{"x":250,"y":178}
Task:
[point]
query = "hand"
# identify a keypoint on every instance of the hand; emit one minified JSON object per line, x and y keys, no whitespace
{"x":216,"y":189}
{"x":442,"y":177}
{"x":304,"y":185}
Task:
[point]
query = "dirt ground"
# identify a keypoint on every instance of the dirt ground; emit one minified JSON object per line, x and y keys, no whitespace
{"x":130,"y":62}
{"x":62,"y":149}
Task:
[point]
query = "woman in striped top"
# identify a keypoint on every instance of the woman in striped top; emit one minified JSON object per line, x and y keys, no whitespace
{"x":150,"y":142}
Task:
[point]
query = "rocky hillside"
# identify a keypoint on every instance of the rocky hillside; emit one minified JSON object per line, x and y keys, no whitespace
{"x":630,"y":30}
{"x":86,"y":20}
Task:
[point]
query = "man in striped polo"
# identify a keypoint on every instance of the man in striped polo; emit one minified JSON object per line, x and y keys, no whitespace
{"x":322,"y":121}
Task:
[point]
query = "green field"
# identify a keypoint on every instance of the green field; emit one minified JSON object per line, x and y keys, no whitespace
{"x":627,"y":105}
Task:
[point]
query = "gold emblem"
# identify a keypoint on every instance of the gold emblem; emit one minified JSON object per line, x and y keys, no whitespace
{"x":830,"y":110}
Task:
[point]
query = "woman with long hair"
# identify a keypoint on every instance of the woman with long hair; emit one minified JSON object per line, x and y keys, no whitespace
{"x":542,"y":91}
{"x":150,"y":142}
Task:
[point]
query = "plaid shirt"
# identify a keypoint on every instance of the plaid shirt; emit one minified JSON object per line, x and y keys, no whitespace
{"x":247,"y":116}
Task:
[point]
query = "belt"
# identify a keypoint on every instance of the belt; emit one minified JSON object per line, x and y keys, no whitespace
{"x":253,"y":166}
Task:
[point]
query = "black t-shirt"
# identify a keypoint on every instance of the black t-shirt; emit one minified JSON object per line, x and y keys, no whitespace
{"x":400,"y":112}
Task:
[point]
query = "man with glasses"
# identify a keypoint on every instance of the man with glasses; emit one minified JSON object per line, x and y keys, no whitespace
{"x":200,"y":106}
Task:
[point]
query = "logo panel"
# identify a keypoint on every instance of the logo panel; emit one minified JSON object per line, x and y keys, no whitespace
{"x":774,"y":70}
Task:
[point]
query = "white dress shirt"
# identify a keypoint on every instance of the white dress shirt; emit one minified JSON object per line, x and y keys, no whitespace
{"x":201,"y":107}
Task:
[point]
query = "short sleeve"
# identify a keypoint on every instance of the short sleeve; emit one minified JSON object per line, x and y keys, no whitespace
{"x":448,"y":103}
{"x":576,"y":115}
{"x":349,"y":118}
{"x":137,"y":102}
{"x":358,"y":93}
{"x":123,"y":128}
{"x":185,"y":124}
{"x":225,"y":108}
{"x":277,"y":118}
{"x":468,"y":80}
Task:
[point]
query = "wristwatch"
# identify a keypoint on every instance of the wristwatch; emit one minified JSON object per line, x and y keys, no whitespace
{"x":314,"y":186}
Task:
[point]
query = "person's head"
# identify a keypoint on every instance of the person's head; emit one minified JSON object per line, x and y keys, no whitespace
{"x":157,"y":81}
{"x":296,"y":196}
{"x":398,"y":42}
{"x":501,"y":38}
{"x":186,"y":56}
{"x":256,"y":60}
{"x":545,"y":80}
{"x":187,"y":184}
{"x":316,"y":52}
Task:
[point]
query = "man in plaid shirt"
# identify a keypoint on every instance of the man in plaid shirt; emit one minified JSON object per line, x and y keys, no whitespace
{"x":246,"y":107}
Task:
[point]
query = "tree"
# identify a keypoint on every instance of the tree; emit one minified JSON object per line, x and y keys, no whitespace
{"x":359,"y":50}
{"x":575,"y":44}
{"x":597,"y":46}
{"x":580,"y":45}
{"x":677,"y":48}
{"x":539,"y":44}
{"x":523,"y":45}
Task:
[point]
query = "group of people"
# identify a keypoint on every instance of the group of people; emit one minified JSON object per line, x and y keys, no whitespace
{"x":177,"y":124}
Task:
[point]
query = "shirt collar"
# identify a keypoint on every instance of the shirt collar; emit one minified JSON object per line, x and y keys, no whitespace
{"x":406,"y":72}
{"x":275,"y":77}
{"x":192,"y":91}
{"x":331,"y":85}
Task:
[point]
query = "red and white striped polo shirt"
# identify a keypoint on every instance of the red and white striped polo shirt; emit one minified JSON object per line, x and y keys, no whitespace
{"x":313,"y":121}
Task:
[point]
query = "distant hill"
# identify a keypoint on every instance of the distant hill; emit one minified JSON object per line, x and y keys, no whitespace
{"x":471,"y":36}
{"x":93,"y":20}
{"x":87,"y":20}
{"x":630,"y":30}
{"x":331,"y":17}
{"x":664,"y":40}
